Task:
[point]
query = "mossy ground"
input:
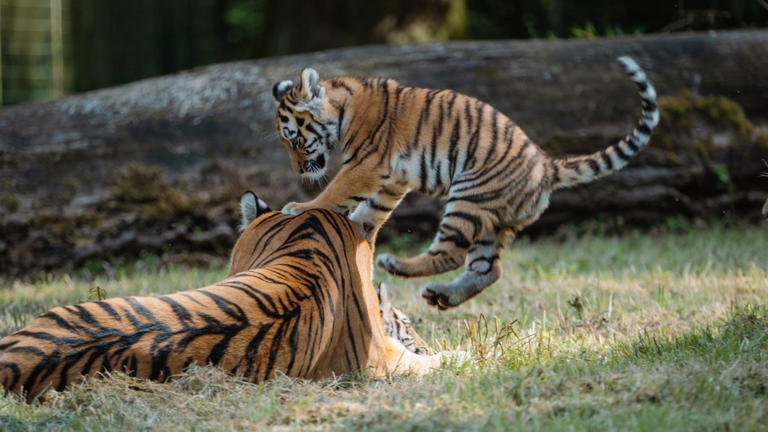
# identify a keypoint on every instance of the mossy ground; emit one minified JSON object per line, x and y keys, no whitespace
{"x":641,"y":332}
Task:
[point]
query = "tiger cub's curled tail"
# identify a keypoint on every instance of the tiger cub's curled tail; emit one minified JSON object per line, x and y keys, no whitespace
{"x":582,"y":169}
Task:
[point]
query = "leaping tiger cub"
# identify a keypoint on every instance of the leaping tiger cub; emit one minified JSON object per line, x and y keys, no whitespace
{"x":395,"y":139}
{"x":298,"y":299}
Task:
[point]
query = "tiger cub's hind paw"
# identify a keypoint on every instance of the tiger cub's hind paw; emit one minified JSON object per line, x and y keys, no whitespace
{"x":435,"y":297}
{"x":448,"y":296}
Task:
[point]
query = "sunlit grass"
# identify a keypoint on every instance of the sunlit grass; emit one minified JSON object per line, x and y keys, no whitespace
{"x":649,"y":332}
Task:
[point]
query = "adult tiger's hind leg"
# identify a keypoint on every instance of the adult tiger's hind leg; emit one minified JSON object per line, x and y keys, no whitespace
{"x":481,"y":269}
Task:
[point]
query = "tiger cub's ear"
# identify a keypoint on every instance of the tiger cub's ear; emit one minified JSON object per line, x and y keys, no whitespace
{"x":310,"y":84}
{"x":280,"y":89}
{"x":251,"y":207}
{"x":312,"y":94}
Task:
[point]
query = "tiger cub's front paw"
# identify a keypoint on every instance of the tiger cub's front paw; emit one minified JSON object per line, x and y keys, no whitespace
{"x":389,"y":263}
{"x":295,"y":208}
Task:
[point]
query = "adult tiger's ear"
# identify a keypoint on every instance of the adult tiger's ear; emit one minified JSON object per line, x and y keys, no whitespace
{"x":280,"y":89}
{"x":311,"y":94}
{"x":251,"y":207}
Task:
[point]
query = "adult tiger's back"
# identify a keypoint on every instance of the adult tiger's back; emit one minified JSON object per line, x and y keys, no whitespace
{"x":298,"y":299}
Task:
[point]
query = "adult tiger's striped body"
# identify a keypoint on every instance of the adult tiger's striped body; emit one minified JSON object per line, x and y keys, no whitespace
{"x":397,"y":139}
{"x":298,"y":299}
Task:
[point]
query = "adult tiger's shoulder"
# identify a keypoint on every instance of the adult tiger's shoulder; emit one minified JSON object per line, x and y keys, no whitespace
{"x":298,"y":300}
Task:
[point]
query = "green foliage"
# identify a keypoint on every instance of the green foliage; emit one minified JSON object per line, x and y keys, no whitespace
{"x":246,"y":22}
{"x":96,"y":293}
{"x":111,"y":42}
{"x":723,"y":177}
{"x":679,"y":111}
{"x":589,"y":31}
{"x":146,"y":192}
{"x":686,"y":114}
{"x":9,"y":201}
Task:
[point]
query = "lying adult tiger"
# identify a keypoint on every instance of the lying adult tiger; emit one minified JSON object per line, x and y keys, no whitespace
{"x":298,"y":300}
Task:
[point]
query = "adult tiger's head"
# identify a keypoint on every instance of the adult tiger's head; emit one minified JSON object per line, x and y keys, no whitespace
{"x":307,"y":122}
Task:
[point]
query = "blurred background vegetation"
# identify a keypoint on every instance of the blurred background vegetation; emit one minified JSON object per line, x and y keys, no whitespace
{"x":54,"y":47}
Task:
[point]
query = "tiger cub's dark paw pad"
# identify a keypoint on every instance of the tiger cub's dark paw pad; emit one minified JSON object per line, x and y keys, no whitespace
{"x":389,"y":263}
{"x":431,"y":293}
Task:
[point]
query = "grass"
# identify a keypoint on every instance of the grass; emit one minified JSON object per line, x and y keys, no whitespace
{"x":639,"y":332}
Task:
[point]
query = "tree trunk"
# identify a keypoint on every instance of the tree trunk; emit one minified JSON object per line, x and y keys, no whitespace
{"x":158,"y":165}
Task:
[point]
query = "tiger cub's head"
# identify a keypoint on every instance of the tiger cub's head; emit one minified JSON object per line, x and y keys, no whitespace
{"x":397,"y":325}
{"x":307,"y":123}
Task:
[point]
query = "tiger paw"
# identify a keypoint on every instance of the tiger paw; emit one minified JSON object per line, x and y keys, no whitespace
{"x":390,"y":263}
{"x":435,"y":295}
{"x":295,"y":208}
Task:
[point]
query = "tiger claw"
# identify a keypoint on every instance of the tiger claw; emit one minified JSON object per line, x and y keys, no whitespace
{"x":293,"y":209}
{"x":432,"y":295}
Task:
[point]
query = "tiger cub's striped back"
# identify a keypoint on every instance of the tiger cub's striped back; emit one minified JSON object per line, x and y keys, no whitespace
{"x":298,"y":300}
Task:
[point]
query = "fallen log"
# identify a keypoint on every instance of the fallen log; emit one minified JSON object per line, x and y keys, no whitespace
{"x":158,"y":165}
